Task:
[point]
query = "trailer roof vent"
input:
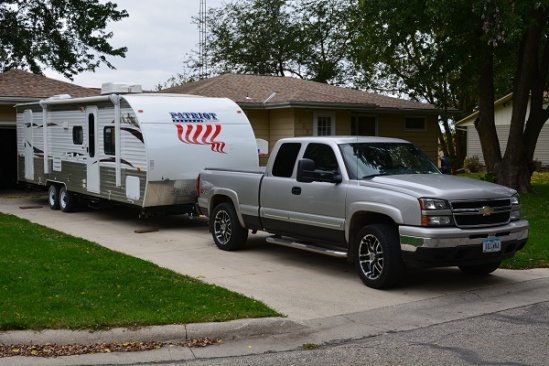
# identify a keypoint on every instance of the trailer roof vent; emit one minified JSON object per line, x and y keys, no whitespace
{"x":120,"y":88}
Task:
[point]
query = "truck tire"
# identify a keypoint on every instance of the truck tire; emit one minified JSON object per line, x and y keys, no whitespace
{"x":53,"y":197}
{"x":226,"y":230}
{"x":480,"y":269}
{"x":378,"y":259}
{"x":67,"y":200}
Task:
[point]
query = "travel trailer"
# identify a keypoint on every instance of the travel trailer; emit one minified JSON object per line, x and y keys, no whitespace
{"x":126,"y":146}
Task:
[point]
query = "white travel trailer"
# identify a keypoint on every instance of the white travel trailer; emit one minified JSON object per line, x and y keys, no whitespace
{"x":143,"y":149}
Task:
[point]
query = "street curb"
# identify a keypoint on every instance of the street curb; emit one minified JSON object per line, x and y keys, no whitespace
{"x":162,"y":333}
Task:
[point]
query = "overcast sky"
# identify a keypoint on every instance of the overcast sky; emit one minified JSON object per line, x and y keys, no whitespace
{"x":158,"y":34}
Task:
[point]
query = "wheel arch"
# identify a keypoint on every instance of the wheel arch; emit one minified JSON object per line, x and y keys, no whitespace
{"x":229,"y":196}
{"x":361,"y":219}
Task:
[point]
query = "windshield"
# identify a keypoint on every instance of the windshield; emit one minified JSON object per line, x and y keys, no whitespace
{"x":366,"y":160}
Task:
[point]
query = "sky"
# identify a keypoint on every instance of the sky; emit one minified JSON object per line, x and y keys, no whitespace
{"x":159,"y":36}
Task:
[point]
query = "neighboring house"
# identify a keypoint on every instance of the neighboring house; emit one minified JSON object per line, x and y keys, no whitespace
{"x":503,"y":109}
{"x":280,"y":107}
{"x":18,"y":86}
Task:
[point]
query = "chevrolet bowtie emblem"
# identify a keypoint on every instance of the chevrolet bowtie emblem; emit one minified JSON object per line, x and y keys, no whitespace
{"x":486,"y":211}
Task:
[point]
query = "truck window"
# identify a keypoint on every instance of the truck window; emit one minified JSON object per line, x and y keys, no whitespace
{"x":285,"y":159}
{"x":323,"y":156}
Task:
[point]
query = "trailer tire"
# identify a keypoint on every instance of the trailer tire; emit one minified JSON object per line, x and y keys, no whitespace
{"x":67,"y":200}
{"x":53,"y":197}
{"x":226,"y":230}
{"x":378,"y":258}
{"x":480,"y":269}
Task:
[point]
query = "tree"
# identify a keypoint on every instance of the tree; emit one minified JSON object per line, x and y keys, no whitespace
{"x":452,"y":52}
{"x":67,"y":35}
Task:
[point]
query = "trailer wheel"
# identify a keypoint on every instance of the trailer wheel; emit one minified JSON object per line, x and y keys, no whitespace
{"x":53,"y":197}
{"x":480,"y":269}
{"x":67,"y":200}
{"x":226,"y":230}
{"x":378,"y":259}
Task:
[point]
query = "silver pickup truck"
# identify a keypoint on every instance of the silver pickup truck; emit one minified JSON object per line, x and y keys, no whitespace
{"x":379,"y":202}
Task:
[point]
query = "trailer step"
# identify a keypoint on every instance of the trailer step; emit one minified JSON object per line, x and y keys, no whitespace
{"x":288,"y":242}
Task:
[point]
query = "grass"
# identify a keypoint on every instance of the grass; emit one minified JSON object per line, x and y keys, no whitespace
{"x":52,"y":280}
{"x":534,"y":209}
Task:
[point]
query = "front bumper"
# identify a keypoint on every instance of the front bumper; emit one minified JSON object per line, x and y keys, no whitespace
{"x":454,"y":246}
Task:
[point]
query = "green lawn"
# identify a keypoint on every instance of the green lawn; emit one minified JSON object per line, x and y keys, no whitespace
{"x":52,"y":280}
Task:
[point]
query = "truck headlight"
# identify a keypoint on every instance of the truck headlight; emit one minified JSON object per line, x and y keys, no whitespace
{"x":516,"y":211}
{"x":435,"y":212}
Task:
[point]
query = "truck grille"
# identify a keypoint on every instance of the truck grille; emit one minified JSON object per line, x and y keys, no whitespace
{"x":469,"y":214}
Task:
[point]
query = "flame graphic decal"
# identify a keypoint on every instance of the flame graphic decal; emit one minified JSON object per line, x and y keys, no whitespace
{"x":201,"y":135}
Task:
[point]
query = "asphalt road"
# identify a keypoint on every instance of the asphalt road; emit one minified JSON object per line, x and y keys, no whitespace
{"x":519,"y":336}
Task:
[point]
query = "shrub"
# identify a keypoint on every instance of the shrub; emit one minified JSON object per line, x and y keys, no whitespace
{"x":472,"y":164}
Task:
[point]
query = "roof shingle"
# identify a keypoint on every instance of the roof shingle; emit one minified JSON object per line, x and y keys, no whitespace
{"x":276,"y":91}
{"x":21,"y":84}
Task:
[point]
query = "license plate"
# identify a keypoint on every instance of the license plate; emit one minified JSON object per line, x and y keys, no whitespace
{"x":491,"y":245}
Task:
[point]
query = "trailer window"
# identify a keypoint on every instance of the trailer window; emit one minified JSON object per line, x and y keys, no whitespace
{"x":108,"y":140}
{"x":77,"y":135}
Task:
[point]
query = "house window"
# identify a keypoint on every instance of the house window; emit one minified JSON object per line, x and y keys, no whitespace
{"x":363,"y":126}
{"x":324,"y":124}
{"x":108,"y":140}
{"x":414,"y":124}
{"x":77,"y":135}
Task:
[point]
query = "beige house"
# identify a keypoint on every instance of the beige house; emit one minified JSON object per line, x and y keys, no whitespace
{"x":280,"y":107}
{"x":18,"y":86}
{"x":503,"y":109}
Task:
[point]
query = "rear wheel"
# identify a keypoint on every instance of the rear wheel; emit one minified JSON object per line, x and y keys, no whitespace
{"x":378,"y":259}
{"x":480,"y":269}
{"x":53,"y":194}
{"x":226,"y":230}
{"x":67,"y":200}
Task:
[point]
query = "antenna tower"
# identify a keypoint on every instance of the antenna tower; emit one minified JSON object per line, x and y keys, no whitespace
{"x":203,"y":60}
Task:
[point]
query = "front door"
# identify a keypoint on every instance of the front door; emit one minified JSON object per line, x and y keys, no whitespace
{"x":92,"y":176}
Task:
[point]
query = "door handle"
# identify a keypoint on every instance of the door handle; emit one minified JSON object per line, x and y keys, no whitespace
{"x":296,"y":190}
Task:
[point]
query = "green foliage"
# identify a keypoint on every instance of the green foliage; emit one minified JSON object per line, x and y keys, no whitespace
{"x":52,"y":280}
{"x":67,"y":35}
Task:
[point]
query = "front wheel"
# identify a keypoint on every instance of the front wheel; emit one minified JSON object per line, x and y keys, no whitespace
{"x":226,"y":230}
{"x":67,"y":200}
{"x":480,"y":269}
{"x":378,"y":259}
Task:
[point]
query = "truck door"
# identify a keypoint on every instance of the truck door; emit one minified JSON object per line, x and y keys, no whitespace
{"x":317,"y":209}
{"x":92,"y":161}
{"x":276,"y":188}
{"x":28,"y":144}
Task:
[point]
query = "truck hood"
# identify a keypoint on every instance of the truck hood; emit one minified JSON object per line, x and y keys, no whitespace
{"x":440,"y":186}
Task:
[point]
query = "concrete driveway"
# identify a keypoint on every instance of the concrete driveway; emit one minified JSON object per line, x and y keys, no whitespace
{"x":301,"y":285}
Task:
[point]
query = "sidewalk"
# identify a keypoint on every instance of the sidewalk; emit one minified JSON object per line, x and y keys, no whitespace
{"x":322,"y":297}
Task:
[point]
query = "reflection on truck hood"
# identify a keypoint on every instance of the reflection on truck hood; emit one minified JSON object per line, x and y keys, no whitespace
{"x":440,"y":185}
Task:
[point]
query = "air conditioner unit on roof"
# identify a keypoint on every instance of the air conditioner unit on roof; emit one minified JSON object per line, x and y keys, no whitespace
{"x":120,"y":88}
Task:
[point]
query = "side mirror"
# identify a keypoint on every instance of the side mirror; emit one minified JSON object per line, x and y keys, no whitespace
{"x":307,"y":173}
{"x":305,"y":170}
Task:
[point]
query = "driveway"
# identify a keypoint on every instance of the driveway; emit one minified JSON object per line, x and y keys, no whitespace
{"x":301,"y":285}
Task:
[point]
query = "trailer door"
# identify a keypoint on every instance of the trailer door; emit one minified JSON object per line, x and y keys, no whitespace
{"x":92,"y":176}
{"x":28,"y":144}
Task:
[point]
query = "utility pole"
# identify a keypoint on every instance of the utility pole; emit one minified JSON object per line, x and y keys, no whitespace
{"x":202,"y":48}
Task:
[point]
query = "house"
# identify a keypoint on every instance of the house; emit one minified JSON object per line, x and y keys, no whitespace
{"x":503,"y":109}
{"x":18,"y":86}
{"x":280,"y":107}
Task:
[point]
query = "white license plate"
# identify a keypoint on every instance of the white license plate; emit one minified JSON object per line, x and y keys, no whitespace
{"x":491,"y":245}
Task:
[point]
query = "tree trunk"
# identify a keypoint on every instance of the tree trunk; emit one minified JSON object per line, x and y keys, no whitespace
{"x":485,"y":123}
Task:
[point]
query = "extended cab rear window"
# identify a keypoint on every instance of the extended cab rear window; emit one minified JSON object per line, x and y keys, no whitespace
{"x":285,"y":159}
